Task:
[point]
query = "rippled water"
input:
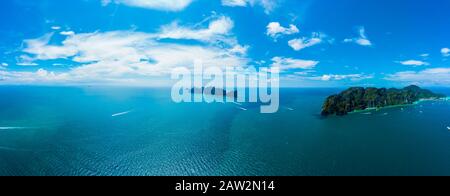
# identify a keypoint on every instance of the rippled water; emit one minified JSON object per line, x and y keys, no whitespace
{"x":138,"y":131}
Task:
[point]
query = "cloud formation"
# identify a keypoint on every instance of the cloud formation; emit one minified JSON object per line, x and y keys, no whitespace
{"x":268,"y":5}
{"x":164,"y":5}
{"x":305,"y":42}
{"x":362,"y":39}
{"x":290,"y":63}
{"x":428,"y":77}
{"x":445,"y":52}
{"x":275,"y":30}
{"x":413,"y":63}
{"x":218,"y":30}
{"x":122,"y":55}
{"x":337,"y":77}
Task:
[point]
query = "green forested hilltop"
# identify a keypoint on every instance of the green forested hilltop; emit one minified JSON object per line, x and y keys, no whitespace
{"x":359,"y":98}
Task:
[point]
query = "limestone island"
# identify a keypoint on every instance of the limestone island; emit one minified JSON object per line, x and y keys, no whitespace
{"x":360,"y":99}
{"x":214,"y":92}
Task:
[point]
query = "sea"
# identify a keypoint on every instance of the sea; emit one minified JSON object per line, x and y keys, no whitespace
{"x":123,"y":131}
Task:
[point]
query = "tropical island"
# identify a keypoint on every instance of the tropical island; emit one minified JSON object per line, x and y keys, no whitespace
{"x":215,"y":92}
{"x":359,"y":98}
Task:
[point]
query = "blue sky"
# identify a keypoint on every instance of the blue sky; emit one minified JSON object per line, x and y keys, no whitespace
{"x":315,"y":42}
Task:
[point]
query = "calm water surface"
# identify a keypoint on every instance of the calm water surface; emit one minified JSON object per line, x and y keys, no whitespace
{"x":138,"y":131}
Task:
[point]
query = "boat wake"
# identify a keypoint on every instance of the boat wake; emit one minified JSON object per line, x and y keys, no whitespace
{"x":14,"y":128}
{"x":7,"y":148}
{"x":245,"y":109}
{"x":121,"y":113}
{"x":290,"y":109}
{"x":4,"y":148}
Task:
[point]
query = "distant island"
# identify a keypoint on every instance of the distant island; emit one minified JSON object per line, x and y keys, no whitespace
{"x":214,"y":92}
{"x":359,"y":98}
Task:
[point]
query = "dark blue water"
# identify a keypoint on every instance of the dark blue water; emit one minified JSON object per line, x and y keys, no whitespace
{"x":138,"y":131}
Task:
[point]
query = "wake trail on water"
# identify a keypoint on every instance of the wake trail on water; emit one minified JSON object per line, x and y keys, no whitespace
{"x":14,"y":128}
{"x":290,"y":109}
{"x":245,"y":109}
{"x":4,"y":148}
{"x":121,"y":113}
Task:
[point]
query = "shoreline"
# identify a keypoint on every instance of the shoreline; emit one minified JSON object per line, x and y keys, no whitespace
{"x":401,"y":105}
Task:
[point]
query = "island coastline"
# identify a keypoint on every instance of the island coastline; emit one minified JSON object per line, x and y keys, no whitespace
{"x":359,"y":99}
{"x":397,"y":106}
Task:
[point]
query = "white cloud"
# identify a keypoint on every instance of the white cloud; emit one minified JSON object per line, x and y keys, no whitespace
{"x":268,"y":5}
{"x":218,"y":32}
{"x":433,"y":76}
{"x":310,"y":78}
{"x":337,"y":77}
{"x":445,"y":52}
{"x":25,"y":60}
{"x":132,"y":49}
{"x":234,"y":3}
{"x":275,"y":30}
{"x":413,"y":63}
{"x":425,"y":55}
{"x":289,"y":63}
{"x":29,"y":77}
{"x":361,"y":40}
{"x":130,"y":55}
{"x":238,"y":49}
{"x":55,"y":27}
{"x":217,"y":29}
{"x":26,"y":64}
{"x":67,"y":33}
{"x":43,"y":51}
{"x":4,"y":64}
{"x":304,"y":73}
{"x":165,"y":5}
{"x":301,"y":43}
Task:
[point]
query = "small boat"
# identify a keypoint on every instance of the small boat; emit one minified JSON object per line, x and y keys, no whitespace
{"x":448,"y":128}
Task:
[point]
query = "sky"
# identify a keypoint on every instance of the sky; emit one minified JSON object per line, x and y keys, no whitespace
{"x":316,"y":43}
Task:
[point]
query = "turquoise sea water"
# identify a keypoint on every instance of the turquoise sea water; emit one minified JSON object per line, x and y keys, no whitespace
{"x":139,"y":131}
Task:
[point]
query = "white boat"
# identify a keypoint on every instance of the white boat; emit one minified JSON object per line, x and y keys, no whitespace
{"x":448,"y":128}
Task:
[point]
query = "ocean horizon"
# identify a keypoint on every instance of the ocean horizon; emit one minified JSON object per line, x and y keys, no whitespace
{"x":121,"y":131}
